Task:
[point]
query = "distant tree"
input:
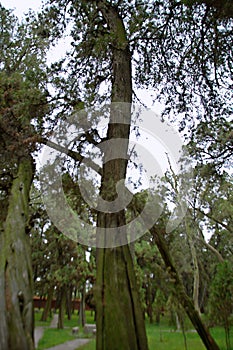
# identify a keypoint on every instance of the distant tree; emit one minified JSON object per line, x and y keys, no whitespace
{"x":221,"y":297}
{"x":151,"y":274}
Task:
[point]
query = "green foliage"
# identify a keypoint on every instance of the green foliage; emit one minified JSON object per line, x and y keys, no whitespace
{"x":37,"y":319}
{"x":57,"y":260}
{"x":221,"y":297}
{"x":23,"y":93}
{"x":222,"y":289}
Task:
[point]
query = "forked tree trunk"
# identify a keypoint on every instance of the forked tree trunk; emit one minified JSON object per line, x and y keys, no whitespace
{"x":181,"y":294}
{"x":120,"y":323}
{"x":16,"y":301}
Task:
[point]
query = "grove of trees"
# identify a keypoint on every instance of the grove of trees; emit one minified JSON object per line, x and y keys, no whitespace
{"x":182,"y":50}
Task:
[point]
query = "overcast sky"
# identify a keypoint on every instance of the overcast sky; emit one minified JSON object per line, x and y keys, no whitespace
{"x":22,"y":6}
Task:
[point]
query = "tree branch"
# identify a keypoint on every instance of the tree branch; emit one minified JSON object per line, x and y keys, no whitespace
{"x":72,"y":154}
{"x":214,"y":219}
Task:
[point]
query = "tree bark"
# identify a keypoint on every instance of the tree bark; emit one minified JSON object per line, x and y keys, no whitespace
{"x":120,"y":323}
{"x":48,"y":304}
{"x":62,"y":308}
{"x":69,"y":302}
{"x":196,"y":275}
{"x":16,"y":302}
{"x":149,"y":300}
{"x":181,"y":294}
{"x":82,"y":315}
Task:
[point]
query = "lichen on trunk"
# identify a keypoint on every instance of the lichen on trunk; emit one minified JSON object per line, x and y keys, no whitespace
{"x":120,"y":323}
{"x":16,"y":303}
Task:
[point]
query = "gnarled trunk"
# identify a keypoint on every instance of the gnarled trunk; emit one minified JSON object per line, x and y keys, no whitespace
{"x":16,"y":302}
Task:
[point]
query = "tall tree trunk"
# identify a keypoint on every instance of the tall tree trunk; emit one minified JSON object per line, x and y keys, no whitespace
{"x":82,"y":316}
{"x":69,"y":302}
{"x":48,"y":305}
{"x":181,"y":294}
{"x":16,"y":302}
{"x":149,"y":300}
{"x":62,"y":308}
{"x":120,"y":323}
{"x":196,"y":275}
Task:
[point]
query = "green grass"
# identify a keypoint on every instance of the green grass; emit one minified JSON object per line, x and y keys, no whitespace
{"x":88,"y":346}
{"x":53,"y":336}
{"x":219,"y":335}
{"x":170,"y":340}
{"x":38,"y":322}
{"x":161,"y":337}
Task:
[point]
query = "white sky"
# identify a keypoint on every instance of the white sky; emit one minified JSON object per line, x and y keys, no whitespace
{"x":22,"y":6}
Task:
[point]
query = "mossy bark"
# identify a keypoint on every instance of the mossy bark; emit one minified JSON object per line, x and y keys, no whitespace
{"x":16,"y":302}
{"x":120,"y":323}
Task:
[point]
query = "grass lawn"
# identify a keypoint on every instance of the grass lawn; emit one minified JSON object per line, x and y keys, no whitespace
{"x":54,"y":336}
{"x":38,"y":322}
{"x":159,"y":337}
{"x":169,"y":340}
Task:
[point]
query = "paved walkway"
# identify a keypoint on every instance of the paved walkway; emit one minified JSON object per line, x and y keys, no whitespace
{"x":69,"y":345}
{"x":38,"y":334}
{"x":54,"y":321}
